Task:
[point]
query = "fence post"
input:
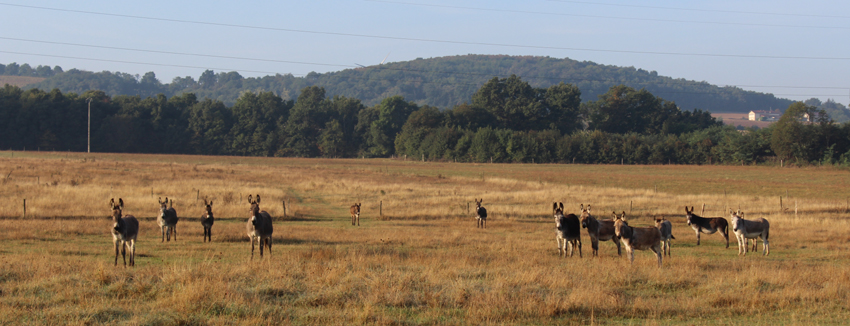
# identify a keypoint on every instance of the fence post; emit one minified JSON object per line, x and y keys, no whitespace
{"x":780,"y":204}
{"x":284,"y":207}
{"x":381,"y":209}
{"x":795,"y":208}
{"x":25,"y":207}
{"x":703,"y":210}
{"x":630,"y":206}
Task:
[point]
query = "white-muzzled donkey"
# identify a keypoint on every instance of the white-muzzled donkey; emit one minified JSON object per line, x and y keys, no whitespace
{"x":750,"y":229}
{"x":259,"y":227}
{"x":125,"y":229}
{"x":598,"y":230}
{"x":480,"y":214}
{"x":567,"y":231}
{"x":167,"y":219}
{"x":355,"y":214}
{"x":666,"y":229}
{"x":637,"y":238}
{"x":207,"y":220}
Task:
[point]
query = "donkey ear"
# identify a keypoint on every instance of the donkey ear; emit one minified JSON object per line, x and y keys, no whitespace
{"x":210,"y":203}
{"x":561,"y":205}
{"x":111,"y":202}
{"x":624,"y":215}
{"x":121,"y":203}
{"x":258,"y":198}
{"x":588,"y":208}
{"x":250,"y":199}
{"x":554,"y":206}
{"x":581,"y":207}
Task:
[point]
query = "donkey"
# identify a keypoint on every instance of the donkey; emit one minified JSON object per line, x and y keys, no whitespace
{"x":567,"y":232}
{"x":355,"y":213}
{"x":167,"y":219}
{"x":666,"y":229}
{"x":640,"y":238}
{"x":750,"y":229}
{"x":707,"y":225}
{"x":207,"y":220}
{"x":480,"y":214}
{"x":259,"y":226}
{"x":598,"y":230}
{"x":125,"y":229}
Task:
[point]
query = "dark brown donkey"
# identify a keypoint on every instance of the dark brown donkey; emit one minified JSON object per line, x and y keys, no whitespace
{"x":707,"y":225}
{"x":259,"y":226}
{"x":640,"y":238}
{"x":167,"y":219}
{"x":355,"y":213}
{"x":125,"y":229}
{"x":567,"y":231}
{"x":598,"y":230}
{"x":480,"y":214}
{"x":207,"y":220}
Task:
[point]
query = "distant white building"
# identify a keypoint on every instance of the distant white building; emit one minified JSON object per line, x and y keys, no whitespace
{"x":764,"y":115}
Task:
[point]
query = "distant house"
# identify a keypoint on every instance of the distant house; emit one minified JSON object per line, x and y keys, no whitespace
{"x":765,"y":115}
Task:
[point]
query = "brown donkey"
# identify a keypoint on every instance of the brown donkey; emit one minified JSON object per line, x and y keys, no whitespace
{"x":355,"y":213}
{"x":750,"y":229}
{"x":641,"y":238}
{"x":480,"y":214}
{"x":125,"y":229}
{"x":207,"y":220}
{"x":707,"y":225}
{"x":567,"y":231}
{"x":666,"y":229}
{"x":259,"y":227}
{"x":598,"y":230}
{"x":167,"y":219}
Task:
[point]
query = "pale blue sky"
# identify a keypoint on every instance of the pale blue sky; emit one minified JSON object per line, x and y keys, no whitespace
{"x":757,"y":45}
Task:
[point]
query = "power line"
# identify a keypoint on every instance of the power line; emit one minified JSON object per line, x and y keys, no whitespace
{"x":607,"y":17}
{"x":377,"y":67}
{"x":703,"y":10}
{"x":565,"y":79}
{"x":411,"y":39}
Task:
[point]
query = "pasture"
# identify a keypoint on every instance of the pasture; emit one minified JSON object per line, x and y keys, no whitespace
{"x":417,"y":257}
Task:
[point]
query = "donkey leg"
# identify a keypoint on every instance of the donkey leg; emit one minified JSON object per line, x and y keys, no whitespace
{"x":358,"y":221}
{"x":133,"y":253}
{"x":579,"y":248}
{"x":175,"y":232}
{"x":163,"y":233}
{"x":766,"y":249}
{"x":617,"y":242}
{"x":124,"y":252}
{"x":697,"y":238}
{"x":657,"y":250}
{"x":252,"y":248}
{"x":594,"y":246}
{"x":269,"y":242}
{"x":115,"y":242}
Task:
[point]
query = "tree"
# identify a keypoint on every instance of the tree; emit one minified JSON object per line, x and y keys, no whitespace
{"x":392,"y":113}
{"x":207,"y":79}
{"x":794,"y":135}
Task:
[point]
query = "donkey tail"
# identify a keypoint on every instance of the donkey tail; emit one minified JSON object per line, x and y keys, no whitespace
{"x":672,"y":237}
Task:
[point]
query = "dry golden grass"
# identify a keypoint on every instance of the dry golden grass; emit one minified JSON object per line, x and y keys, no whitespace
{"x":423,"y":262}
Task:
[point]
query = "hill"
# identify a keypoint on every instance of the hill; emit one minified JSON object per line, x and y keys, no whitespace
{"x":442,"y":82}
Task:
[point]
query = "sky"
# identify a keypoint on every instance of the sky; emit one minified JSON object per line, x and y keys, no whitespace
{"x":792,"y":49}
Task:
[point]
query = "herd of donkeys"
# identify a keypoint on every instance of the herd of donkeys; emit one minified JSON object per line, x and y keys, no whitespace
{"x":657,"y":238}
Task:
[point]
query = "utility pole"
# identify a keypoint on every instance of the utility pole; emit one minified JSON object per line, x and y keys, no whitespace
{"x":88,"y":149}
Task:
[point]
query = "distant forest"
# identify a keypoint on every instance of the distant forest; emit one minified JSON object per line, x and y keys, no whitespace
{"x":439,"y":82}
{"x":505,"y":120}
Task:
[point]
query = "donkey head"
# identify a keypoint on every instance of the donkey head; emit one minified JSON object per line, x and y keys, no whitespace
{"x":163,"y":206}
{"x":585,"y":215}
{"x":116,"y":209}
{"x":689,"y":214}
{"x":737,"y":219}
{"x":118,"y":223}
{"x":558,"y":208}
{"x":621,"y":227}
{"x":255,"y":208}
{"x":208,"y":207}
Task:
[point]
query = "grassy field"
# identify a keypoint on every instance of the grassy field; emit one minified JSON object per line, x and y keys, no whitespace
{"x":417,"y":258}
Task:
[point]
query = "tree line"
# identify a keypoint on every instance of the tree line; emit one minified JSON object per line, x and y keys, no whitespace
{"x":508,"y":120}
